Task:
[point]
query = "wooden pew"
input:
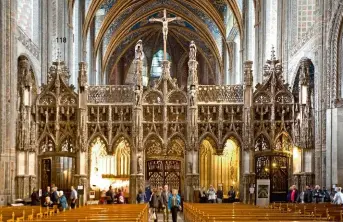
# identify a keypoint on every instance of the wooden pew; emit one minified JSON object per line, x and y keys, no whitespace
{"x":237,"y":212}
{"x":15,"y":213}
{"x":125,"y":212}
{"x":325,"y":211}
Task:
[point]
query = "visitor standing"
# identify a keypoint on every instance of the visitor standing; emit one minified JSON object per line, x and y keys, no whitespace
{"x":62,"y":201}
{"x":165,"y":199}
{"x":73,"y":197}
{"x":140,"y":197}
{"x":231,"y":195}
{"x":34,"y":197}
{"x":307,"y":195}
{"x":155,"y":204}
{"x":109,"y":195}
{"x":211,"y":194}
{"x":338,"y":198}
{"x":317,"y":194}
{"x":220,"y":195}
{"x":174,"y":204}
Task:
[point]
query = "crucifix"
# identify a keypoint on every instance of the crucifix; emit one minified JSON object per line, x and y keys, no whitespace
{"x":165,"y":22}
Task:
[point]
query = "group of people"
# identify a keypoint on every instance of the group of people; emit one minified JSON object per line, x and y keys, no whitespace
{"x":315,"y":195}
{"x":53,"y":196}
{"x":113,"y":196}
{"x":161,"y":199}
{"x":213,"y":196}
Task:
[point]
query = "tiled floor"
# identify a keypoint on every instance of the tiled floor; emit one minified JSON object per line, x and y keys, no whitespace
{"x":160,"y":217}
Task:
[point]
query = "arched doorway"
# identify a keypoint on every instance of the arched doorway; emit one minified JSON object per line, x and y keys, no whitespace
{"x":165,"y":166}
{"x":109,"y":167}
{"x":219,"y":170}
{"x":273,"y":163}
{"x":57,"y":164}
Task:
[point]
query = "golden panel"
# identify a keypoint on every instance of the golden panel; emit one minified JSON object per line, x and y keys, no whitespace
{"x":219,"y":169}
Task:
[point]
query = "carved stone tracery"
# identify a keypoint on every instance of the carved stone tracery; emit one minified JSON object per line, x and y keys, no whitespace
{"x":165,"y":121}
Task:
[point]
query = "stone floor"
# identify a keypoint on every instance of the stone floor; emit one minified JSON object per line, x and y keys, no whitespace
{"x":160,"y":217}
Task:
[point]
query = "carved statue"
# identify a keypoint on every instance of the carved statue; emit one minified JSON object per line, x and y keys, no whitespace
{"x":192,"y":51}
{"x":50,"y":146}
{"x":257,"y":145}
{"x":137,"y":95}
{"x":190,"y":167}
{"x":165,"y":22}
{"x":278,"y":145}
{"x":192,"y":94}
{"x":139,"y":164}
{"x":139,"y":55}
{"x":264,"y":144}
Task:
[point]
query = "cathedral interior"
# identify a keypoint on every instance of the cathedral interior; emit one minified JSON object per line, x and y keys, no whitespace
{"x":189,"y":93}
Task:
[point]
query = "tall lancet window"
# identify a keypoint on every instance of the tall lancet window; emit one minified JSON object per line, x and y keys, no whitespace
{"x":271,"y":22}
{"x":156,"y":64}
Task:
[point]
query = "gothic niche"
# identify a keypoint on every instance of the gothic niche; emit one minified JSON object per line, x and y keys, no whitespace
{"x":219,"y":169}
{"x":176,"y":147}
{"x":47,"y":145}
{"x":153,"y":147}
{"x":283,"y":143}
{"x":107,"y":168}
{"x":261,"y":143}
{"x":67,"y":145}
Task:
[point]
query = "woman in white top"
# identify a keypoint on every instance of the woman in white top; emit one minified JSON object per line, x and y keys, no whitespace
{"x":211,"y":194}
{"x":338,"y":198}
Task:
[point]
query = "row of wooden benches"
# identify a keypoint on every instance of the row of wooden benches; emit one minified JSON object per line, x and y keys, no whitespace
{"x":325,"y":211}
{"x":275,"y":212}
{"x":124,"y":212}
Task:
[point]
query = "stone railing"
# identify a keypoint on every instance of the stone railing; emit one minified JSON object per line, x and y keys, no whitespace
{"x":213,"y":93}
{"x":110,"y":94}
{"x":28,"y":43}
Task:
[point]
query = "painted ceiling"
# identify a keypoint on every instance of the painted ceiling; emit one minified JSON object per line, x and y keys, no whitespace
{"x":120,"y":23}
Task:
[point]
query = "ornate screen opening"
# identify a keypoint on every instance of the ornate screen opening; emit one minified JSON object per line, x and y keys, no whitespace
{"x":161,"y":172}
{"x":276,"y":169}
{"x":45,"y":173}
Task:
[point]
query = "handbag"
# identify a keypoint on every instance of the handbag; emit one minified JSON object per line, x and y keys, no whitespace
{"x":153,"y":215}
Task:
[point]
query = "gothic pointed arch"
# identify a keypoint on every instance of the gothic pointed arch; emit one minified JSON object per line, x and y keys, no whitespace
{"x":176,"y":146}
{"x":67,"y":143}
{"x":98,"y":138}
{"x":283,"y":142}
{"x":334,"y":43}
{"x":211,"y":139}
{"x":153,"y":146}
{"x":234,"y":137}
{"x":46,"y":144}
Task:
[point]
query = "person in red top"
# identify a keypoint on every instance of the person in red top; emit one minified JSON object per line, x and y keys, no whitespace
{"x":292,"y":194}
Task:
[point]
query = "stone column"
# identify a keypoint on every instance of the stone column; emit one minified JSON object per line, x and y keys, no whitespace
{"x":137,"y":156}
{"x":248,"y":182}
{"x":192,"y":172}
{"x":248,"y":148}
{"x":82,"y":177}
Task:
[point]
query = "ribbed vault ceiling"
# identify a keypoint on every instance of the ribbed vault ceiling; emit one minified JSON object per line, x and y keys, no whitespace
{"x":121,"y":23}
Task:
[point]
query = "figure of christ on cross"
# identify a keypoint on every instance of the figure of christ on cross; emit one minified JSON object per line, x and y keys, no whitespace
{"x":165,"y":22}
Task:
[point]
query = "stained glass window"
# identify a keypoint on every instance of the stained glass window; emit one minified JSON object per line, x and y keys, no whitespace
{"x":156,"y":64}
